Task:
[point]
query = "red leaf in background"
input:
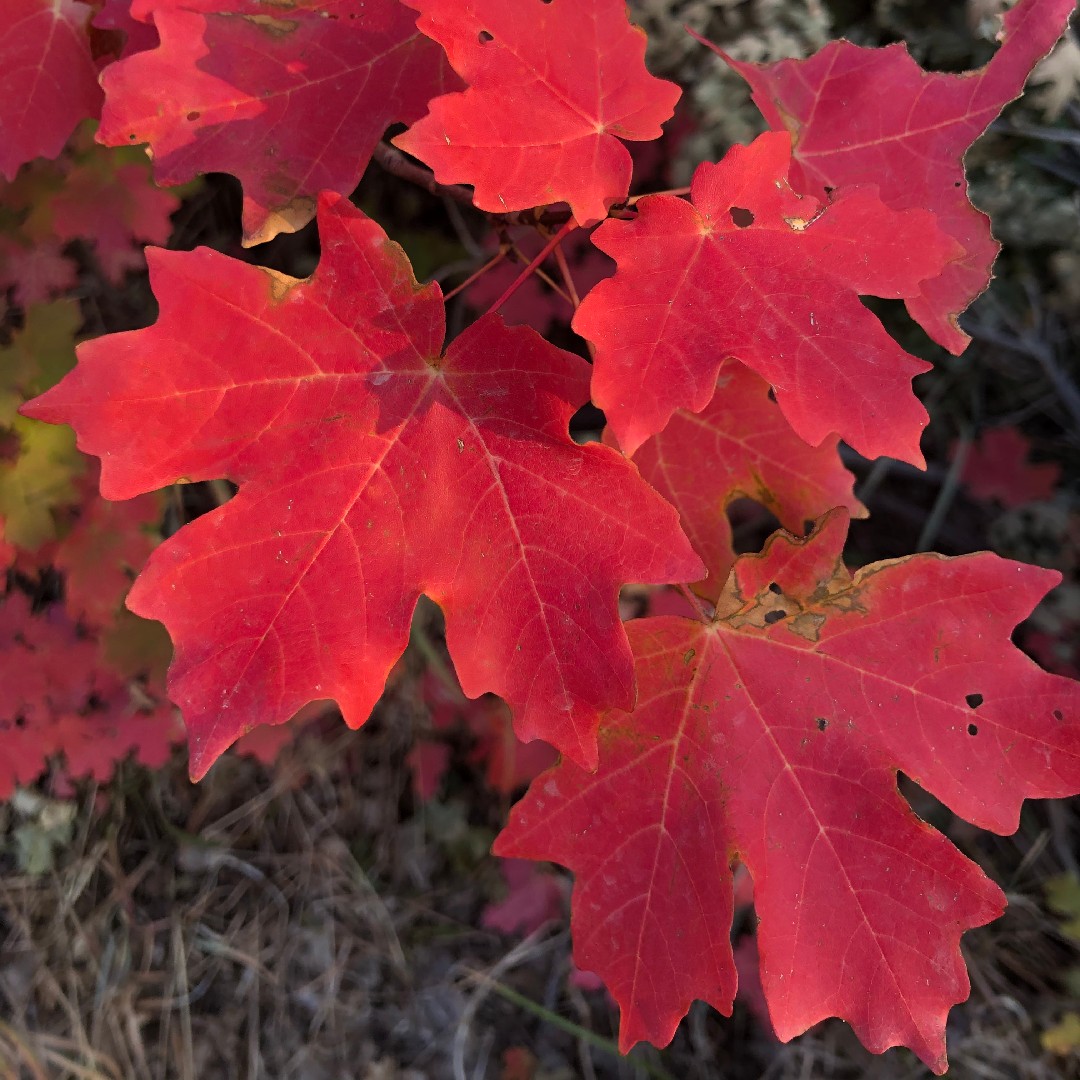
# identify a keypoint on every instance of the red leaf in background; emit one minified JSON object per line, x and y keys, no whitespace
{"x":741,"y":446}
{"x":752,"y":271}
{"x":116,"y":209}
{"x":107,"y":545}
{"x":873,"y":116}
{"x":57,"y":696}
{"x":289,"y":100}
{"x":48,"y":79}
{"x":429,"y":762}
{"x":552,"y":89}
{"x":37,"y":270}
{"x":138,"y":36}
{"x":997,"y":467}
{"x":7,"y":551}
{"x":533,"y":303}
{"x":533,"y":897}
{"x":371,"y":469}
{"x":774,"y":735}
{"x":508,"y":762}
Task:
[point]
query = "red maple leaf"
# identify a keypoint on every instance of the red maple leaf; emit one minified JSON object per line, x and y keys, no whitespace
{"x":371,"y":469}
{"x":57,"y":696}
{"x":7,"y":551}
{"x":552,"y":90}
{"x":873,"y":116}
{"x":116,"y":208}
{"x":37,"y":269}
{"x":739,"y":446}
{"x":751,"y":270}
{"x":106,"y":546}
{"x":48,"y":79}
{"x":138,"y":36}
{"x":997,"y":467}
{"x":774,"y":735}
{"x":533,"y":897}
{"x":290,"y":100}
{"x":508,"y":762}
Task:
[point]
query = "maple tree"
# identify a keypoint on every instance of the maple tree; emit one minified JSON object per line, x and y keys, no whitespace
{"x":766,"y":723}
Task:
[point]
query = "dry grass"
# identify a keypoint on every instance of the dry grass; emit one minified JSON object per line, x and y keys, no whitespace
{"x":311,"y":923}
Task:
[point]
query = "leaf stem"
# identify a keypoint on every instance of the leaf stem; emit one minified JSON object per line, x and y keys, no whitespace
{"x":492,"y":262}
{"x":545,"y":251}
{"x":695,"y":602}
{"x":397,"y":164}
{"x":564,"y":269}
{"x":542,"y":274}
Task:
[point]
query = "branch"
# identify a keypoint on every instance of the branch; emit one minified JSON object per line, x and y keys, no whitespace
{"x":397,"y":164}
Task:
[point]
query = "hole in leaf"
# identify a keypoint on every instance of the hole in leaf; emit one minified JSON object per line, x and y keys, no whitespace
{"x":774,"y":617}
{"x":957,"y":183}
{"x":822,"y":723}
{"x":194,"y":115}
{"x":772,"y":394}
{"x":974,"y":700}
{"x":973,"y":729}
{"x":751,"y":525}
{"x":829,"y":189}
{"x":1059,"y":715}
{"x":775,"y":589}
{"x":741,"y":217}
{"x":484,"y":37}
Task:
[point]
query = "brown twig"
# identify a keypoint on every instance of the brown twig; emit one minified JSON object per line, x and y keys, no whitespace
{"x":397,"y":164}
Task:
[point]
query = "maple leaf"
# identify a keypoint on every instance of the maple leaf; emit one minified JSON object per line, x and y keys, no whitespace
{"x":774,"y":735}
{"x":429,"y":762}
{"x":57,"y":696}
{"x":997,"y":467}
{"x":552,"y":90}
{"x":290,"y":100}
{"x":508,"y":762}
{"x":138,"y":34}
{"x":908,"y":134}
{"x":34,"y":270}
{"x":739,"y":446}
{"x":371,"y":469}
{"x":7,"y":551}
{"x":115,"y":207}
{"x":39,"y":354}
{"x":533,"y":897}
{"x":38,"y":464}
{"x":39,"y":480}
{"x":752,"y":271}
{"x":49,"y":80}
{"x":108,"y":543}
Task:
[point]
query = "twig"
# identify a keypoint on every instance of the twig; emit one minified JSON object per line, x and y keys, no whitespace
{"x":492,"y":262}
{"x":1039,"y":352}
{"x":564,"y":269}
{"x":545,"y":251}
{"x":397,"y":164}
{"x":946,"y":495}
